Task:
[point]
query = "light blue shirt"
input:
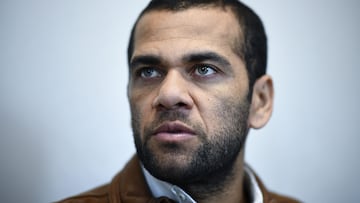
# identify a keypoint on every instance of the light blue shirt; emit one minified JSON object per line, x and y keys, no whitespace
{"x":161,"y":188}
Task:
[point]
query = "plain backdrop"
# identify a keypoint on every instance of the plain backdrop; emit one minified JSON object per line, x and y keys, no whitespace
{"x":64,"y":118}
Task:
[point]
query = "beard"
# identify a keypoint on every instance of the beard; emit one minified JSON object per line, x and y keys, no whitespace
{"x":210,"y":164}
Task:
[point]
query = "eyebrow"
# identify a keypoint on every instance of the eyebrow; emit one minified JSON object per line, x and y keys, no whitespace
{"x":194,"y":57}
{"x":145,"y":59}
{"x":206,"y":56}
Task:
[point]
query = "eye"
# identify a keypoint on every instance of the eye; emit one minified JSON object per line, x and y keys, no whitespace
{"x":204,"y":70}
{"x":149,"y":73}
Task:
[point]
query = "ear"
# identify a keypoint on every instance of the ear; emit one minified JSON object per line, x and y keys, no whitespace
{"x":262,"y":102}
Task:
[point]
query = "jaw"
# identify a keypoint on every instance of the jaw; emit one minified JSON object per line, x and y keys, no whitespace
{"x":222,"y":186}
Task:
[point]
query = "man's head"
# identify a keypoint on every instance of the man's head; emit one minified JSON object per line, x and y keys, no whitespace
{"x":196,"y":86}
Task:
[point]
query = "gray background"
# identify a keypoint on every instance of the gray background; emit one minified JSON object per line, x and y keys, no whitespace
{"x":64,"y":118}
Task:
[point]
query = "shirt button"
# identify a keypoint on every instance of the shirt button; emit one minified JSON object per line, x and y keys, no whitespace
{"x":173,"y":190}
{"x":182,"y":197}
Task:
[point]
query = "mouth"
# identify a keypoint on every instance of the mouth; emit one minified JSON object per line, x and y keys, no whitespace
{"x":173,"y":131}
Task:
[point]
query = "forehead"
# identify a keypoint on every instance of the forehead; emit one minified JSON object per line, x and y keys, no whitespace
{"x":198,"y":26}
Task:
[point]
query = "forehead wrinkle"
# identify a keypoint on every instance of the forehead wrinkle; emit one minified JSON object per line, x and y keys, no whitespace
{"x":170,"y":33}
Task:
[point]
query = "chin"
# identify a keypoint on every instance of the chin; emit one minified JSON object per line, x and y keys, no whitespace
{"x":169,"y":165}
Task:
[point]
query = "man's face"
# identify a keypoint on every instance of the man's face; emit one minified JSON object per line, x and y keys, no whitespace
{"x":188,"y":93}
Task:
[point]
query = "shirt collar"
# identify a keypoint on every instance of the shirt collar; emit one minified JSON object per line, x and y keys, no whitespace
{"x":252,"y":186}
{"x":161,"y":188}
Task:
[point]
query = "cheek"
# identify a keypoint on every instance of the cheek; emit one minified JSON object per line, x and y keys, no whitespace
{"x":140,"y":109}
{"x":216,"y":110}
{"x":208,"y":108}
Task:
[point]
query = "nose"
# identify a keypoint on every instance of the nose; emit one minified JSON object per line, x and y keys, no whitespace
{"x":173,"y":93}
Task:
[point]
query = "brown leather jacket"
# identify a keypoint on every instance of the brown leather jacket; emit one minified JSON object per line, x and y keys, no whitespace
{"x":129,"y":186}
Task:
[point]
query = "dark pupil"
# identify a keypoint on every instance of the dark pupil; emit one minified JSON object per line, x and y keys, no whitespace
{"x":203,"y":70}
{"x":148,"y":72}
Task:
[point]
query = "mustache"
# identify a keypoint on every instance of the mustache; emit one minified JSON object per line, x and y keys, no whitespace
{"x":171,"y":116}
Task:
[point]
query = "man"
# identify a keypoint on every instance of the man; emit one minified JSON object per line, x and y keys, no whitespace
{"x":197,"y":84}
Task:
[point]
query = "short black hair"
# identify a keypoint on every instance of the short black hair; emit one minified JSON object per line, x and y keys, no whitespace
{"x":253,"y":48}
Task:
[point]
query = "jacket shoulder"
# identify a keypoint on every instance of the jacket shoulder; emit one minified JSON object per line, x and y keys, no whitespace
{"x":96,"y":195}
{"x":282,"y":199}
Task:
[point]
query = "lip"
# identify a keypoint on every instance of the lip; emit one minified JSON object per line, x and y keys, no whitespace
{"x":174,"y":131}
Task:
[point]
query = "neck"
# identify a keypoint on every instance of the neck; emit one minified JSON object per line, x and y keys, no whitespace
{"x":224,"y":187}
